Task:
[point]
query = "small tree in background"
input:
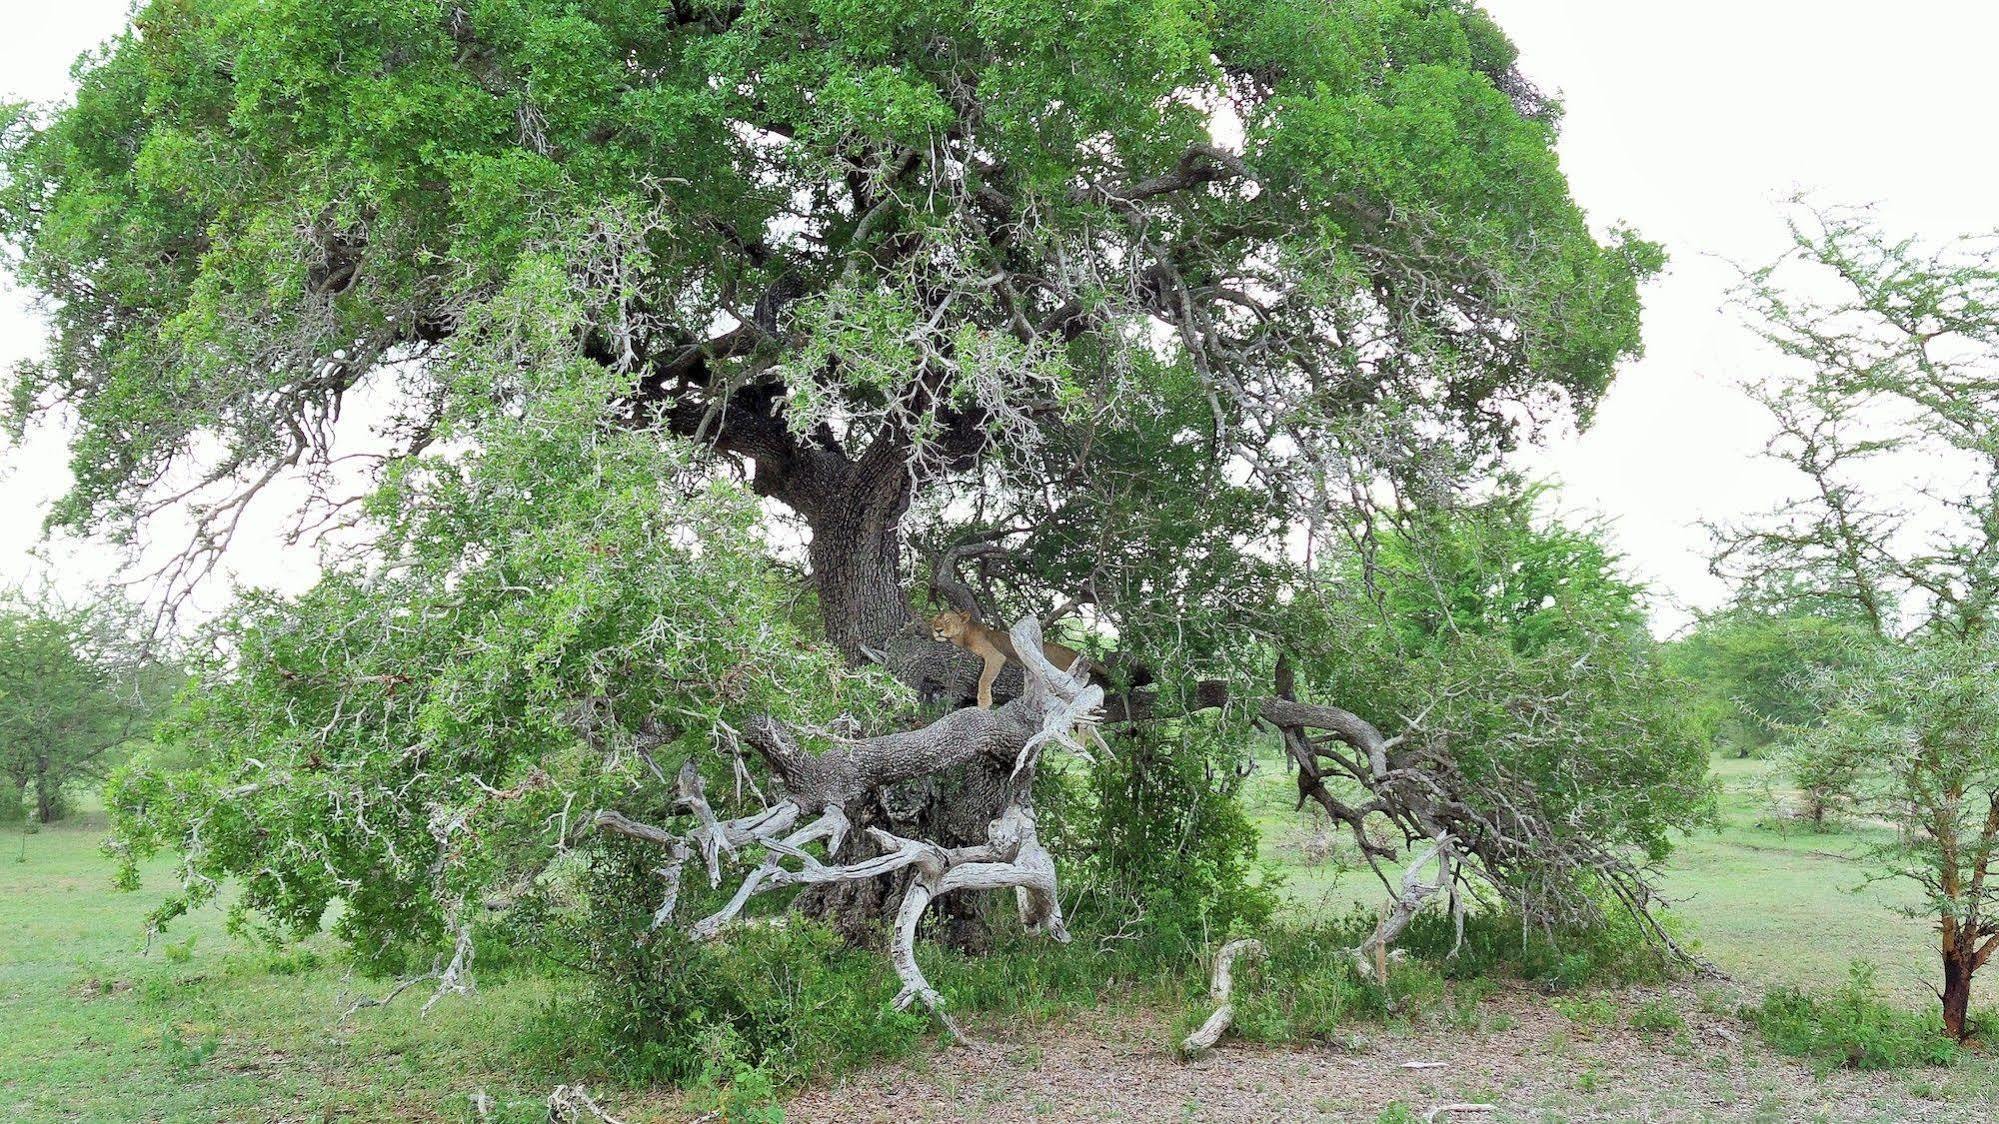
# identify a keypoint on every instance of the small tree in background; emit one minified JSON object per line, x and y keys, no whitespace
{"x":1893,"y":420}
{"x":1757,"y":674}
{"x":74,"y":689}
{"x":1914,"y":741}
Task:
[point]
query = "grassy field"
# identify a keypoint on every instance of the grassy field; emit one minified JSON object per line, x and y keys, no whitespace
{"x":1775,"y":903}
{"x":209,"y":1027}
{"x":206,"y":1026}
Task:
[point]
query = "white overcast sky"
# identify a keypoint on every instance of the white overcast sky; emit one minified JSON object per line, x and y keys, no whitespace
{"x":1689,"y":120}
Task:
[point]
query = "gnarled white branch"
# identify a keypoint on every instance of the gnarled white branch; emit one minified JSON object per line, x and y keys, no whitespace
{"x":1060,"y":707}
{"x":1372,"y":954}
{"x":1220,"y":989}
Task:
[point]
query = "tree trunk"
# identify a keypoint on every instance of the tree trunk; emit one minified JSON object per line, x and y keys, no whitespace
{"x":857,"y":569}
{"x":45,"y":795}
{"x":856,"y":558}
{"x":1957,"y":970}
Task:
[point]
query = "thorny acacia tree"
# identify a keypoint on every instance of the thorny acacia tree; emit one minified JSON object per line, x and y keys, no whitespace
{"x":1153,"y":303}
{"x":1893,"y":421}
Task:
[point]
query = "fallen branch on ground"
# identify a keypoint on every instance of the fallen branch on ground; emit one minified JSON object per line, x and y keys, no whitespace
{"x":568,"y":1104}
{"x":1211,"y":1032}
{"x":455,"y":977}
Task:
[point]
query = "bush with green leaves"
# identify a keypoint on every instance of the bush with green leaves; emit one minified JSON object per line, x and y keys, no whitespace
{"x":1851,"y":1026}
{"x":79,"y":690}
{"x":1163,"y":826}
{"x":535,"y":630}
{"x":1758,"y":674}
{"x":1494,"y":944}
{"x":788,"y":999}
{"x":1295,"y":992}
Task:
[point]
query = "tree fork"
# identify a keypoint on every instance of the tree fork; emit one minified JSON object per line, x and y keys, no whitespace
{"x":1059,"y":707}
{"x":854,"y":509}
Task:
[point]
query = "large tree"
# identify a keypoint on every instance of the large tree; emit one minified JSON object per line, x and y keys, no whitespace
{"x":864,"y":252}
{"x":1148,"y":308}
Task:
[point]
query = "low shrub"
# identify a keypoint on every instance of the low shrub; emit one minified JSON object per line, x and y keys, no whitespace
{"x":294,"y":961}
{"x":733,"y":1090}
{"x":1496,"y":943}
{"x":1305,"y":987}
{"x":791,"y":1000}
{"x":1851,"y":1026}
{"x":1589,"y":1012}
{"x":789,"y":997}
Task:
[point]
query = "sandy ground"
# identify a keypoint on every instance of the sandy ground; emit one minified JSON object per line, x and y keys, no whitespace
{"x":1526,"y":1059}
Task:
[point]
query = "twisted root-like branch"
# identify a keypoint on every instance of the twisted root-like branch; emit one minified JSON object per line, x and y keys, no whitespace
{"x":1495,"y":820}
{"x":1059,"y":707}
{"x":1403,"y":907}
{"x":1210,"y":1032}
{"x":454,"y":977}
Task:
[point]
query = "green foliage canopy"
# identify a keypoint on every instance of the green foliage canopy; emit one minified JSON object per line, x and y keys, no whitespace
{"x":929,"y":217}
{"x":1760,"y":674}
{"x":76,"y":688}
{"x":531,"y":630}
{"x":1512,"y":651}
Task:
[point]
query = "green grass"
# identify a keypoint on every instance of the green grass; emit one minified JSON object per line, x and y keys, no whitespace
{"x":1777,"y":903}
{"x":211,"y":1027}
{"x":208,"y":1027}
{"x":1852,"y":1026}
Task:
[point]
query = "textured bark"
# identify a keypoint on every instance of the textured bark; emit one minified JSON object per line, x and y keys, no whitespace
{"x":1956,"y":993}
{"x":1372,"y":954}
{"x":855,"y":510}
{"x":856,"y":558}
{"x":855,"y":909}
{"x":854,"y":506}
{"x":952,"y":776}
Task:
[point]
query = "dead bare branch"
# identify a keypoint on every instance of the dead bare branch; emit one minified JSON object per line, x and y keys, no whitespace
{"x":1211,"y":1031}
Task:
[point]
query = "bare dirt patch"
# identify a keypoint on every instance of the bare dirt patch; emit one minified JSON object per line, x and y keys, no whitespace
{"x":1528,"y":1060}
